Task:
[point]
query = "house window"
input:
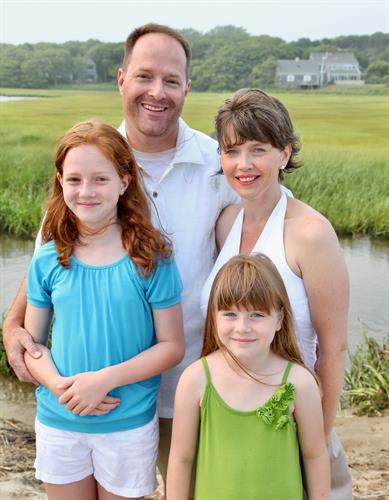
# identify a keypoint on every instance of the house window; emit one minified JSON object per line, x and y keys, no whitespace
{"x":307,"y":78}
{"x":290,"y":78}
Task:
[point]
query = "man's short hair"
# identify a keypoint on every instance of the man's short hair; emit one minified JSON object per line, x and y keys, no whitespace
{"x":134,"y":36}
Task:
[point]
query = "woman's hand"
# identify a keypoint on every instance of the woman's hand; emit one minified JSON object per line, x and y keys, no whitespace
{"x":86,"y":394}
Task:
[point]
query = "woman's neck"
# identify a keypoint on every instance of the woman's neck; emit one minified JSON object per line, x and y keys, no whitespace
{"x":256,"y":213}
{"x":260,"y":208}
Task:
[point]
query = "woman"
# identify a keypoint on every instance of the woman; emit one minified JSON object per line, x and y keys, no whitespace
{"x":258,"y":146}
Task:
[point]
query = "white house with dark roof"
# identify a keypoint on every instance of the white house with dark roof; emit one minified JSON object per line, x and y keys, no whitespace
{"x":339,"y":67}
{"x":321,"y":69}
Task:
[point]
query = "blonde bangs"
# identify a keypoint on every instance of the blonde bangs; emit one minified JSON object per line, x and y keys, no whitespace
{"x":246,"y":286}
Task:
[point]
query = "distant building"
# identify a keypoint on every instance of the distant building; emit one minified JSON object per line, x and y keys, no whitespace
{"x":321,"y":69}
{"x":88,"y":73}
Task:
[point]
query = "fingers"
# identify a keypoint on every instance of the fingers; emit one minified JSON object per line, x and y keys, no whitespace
{"x":64,"y":385}
{"x":15,"y":347}
{"x":30,"y":346}
{"x":20,"y":369}
{"x":103,"y":409}
{"x":110,"y":399}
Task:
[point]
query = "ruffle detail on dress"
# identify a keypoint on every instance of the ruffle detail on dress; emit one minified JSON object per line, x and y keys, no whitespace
{"x":276,"y":410}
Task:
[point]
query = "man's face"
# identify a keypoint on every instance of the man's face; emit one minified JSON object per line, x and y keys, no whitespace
{"x":153,"y":88}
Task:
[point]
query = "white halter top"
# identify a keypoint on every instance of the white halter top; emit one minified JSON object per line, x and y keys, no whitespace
{"x":271,"y":243}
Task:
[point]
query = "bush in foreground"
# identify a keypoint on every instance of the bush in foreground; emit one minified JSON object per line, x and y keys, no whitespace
{"x":367,"y":381}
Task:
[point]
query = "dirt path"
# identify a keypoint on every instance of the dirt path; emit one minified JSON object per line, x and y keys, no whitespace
{"x":365,"y":439}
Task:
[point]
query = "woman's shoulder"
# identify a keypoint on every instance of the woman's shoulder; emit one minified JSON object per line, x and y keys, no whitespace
{"x":225,"y":222}
{"x":306,"y":225}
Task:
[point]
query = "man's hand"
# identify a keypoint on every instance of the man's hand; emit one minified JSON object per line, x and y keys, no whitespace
{"x":16,"y":341}
{"x":84,"y":393}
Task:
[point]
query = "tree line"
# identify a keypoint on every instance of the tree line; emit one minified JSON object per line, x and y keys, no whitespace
{"x":224,"y":58}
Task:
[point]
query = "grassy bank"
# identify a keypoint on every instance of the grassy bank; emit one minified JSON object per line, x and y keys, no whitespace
{"x":345,"y":149}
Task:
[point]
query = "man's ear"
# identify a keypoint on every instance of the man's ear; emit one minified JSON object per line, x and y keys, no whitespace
{"x":121,"y":78}
{"x":187,"y":87}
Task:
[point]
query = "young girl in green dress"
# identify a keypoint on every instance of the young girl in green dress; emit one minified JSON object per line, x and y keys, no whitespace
{"x":248,"y":406}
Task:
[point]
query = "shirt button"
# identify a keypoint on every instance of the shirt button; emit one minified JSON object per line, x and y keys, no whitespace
{"x":155,"y":194}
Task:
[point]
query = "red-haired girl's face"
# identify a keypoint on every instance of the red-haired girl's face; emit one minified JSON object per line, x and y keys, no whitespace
{"x":91,"y":186}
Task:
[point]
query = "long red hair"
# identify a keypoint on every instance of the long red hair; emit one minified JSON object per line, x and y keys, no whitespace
{"x":143,"y":243}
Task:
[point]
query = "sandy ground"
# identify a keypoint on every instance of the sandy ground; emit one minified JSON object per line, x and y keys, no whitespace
{"x":366,"y":440}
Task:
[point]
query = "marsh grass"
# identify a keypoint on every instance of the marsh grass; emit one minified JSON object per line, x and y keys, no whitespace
{"x":345,"y":150}
{"x":367,"y":381}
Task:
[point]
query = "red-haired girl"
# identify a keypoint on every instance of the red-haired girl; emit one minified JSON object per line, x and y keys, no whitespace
{"x":107,"y":277}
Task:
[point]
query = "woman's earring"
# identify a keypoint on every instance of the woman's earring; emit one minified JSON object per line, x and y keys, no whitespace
{"x":282,"y":167}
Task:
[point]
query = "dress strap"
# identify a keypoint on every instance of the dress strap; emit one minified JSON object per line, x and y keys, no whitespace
{"x":206,"y":369}
{"x":286,"y":372}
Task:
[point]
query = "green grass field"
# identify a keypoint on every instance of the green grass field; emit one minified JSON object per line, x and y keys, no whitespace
{"x":345,"y":149}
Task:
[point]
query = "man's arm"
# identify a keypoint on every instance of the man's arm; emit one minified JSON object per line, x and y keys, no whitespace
{"x":16,"y":339}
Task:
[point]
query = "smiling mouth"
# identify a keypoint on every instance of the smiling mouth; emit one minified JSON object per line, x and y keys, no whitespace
{"x":153,"y":108}
{"x":244,"y":341}
{"x":248,"y":179}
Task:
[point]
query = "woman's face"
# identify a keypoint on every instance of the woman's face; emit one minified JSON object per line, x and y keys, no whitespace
{"x":252,"y":168}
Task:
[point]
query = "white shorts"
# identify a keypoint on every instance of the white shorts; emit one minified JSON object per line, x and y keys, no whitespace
{"x":123,"y":463}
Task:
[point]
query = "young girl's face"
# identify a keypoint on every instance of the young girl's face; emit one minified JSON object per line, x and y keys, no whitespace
{"x":91,"y":186}
{"x":247,"y":331}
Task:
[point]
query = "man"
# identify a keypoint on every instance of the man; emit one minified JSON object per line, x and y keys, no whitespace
{"x":178,"y":166}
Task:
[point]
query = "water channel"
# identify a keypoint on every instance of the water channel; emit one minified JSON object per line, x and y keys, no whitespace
{"x":367,"y":261}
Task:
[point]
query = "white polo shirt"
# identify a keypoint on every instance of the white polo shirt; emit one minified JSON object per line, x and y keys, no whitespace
{"x":189,"y":198}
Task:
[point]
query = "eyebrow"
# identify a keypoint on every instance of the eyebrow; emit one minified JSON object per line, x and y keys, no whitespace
{"x":149,"y":70}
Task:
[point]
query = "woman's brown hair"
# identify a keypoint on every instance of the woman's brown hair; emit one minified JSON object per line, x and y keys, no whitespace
{"x":253,"y":115}
{"x":140,"y":239}
{"x":251,"y":282}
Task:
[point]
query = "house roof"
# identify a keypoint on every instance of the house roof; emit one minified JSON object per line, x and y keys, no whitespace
{"x":334,"y":58}
{"x":304,"y":66}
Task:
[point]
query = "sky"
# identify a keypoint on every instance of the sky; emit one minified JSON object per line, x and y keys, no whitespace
{"x":112,"y":20}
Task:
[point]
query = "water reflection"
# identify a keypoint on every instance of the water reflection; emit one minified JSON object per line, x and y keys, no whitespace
{"x":9,"y":98}
{"x":367,"y":261}
{"x":15,"y":256}
{"x":368,"y":264}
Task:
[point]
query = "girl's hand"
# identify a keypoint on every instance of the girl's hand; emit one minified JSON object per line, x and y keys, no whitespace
{"x":108,"y":404}
{"x":84,"y":392}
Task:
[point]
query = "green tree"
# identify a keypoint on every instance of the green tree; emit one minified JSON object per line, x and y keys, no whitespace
{"x":376,"y":71}
{"x":263,"y":74}
{"x":108,"y":57}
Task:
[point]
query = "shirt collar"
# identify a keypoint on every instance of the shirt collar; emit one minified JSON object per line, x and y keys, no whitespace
{"x":187,"y":147}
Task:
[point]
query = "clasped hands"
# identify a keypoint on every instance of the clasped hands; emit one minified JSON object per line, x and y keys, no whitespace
{"x":85,"y":394}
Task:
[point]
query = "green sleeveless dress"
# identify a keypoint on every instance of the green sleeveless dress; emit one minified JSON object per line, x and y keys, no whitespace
{"x":248,"y":455}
